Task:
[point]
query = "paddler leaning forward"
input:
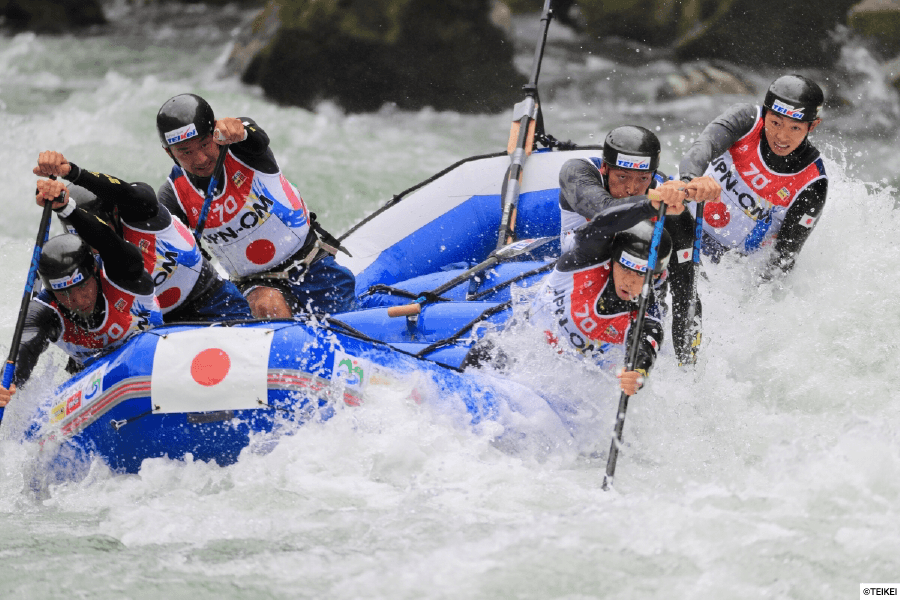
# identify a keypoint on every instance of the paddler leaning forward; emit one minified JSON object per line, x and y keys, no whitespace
{"x":86,"y":305}
{"x":590,"y":300}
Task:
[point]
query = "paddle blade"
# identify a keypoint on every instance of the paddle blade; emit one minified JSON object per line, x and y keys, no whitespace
{"x":521,"y":247}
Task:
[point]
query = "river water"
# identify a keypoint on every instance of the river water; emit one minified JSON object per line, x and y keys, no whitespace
{"x":770,"y":471}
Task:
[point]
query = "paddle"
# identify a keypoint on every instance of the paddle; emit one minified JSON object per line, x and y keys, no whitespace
{"x":693,"y":326}
{"x":210,"y":190}
{"x":521,"y":138}
{"x":497,"y":256}
{"x":9,"y":370}
{"x":635,"y":345}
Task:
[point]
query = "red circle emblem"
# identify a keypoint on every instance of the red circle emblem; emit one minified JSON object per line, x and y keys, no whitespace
{"x":260,"y":252}
{"x":169,"y":297}
{"x":716,"y":214}
{"x":210,"y":366}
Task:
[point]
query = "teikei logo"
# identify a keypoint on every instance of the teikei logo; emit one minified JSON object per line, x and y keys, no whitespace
{"x":787,"y":110}
{"x":627,"y":161}
{"x":68,"y":281}
{"x":633,"y":262}
{"x":238,"y":179}
{"x":181,"y":134}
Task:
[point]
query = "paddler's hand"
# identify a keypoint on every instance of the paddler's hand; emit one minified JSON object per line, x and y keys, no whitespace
{"x":6,"y":394}
{"x":52,"y":163}
{"x":630,"y":381}
{"x":703,"y":189}
{"x":229,"y":131}
{"x":671,"y":193}
{"x":52,"y":190}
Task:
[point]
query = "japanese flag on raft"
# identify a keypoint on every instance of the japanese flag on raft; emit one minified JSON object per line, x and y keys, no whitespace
{"x":211,"y":369}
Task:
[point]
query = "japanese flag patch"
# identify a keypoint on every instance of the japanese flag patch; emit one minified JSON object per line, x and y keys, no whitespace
{"x":685,"y":255}
{"x":211,"y":369}
{"x":808,"y":220}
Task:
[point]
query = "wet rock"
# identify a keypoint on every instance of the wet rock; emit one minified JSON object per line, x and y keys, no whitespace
{"x":364,"y":53}
{"x":879,"y":22}
{"x":50,"y":16}
{"x":777,"y":33}
{"x":704,"y":78}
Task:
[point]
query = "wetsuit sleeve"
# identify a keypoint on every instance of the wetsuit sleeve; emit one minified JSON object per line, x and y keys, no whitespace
{"x":255,"y":151}
{"x":581,"y":189}
{"x":794,"y":231}
{"x":136,"y":202}
{"x":681,"y":282}
{"x":716,"y":138}
{"x":122,"y":261}
{"x":42,"y":326}
{"x":594,"y":238}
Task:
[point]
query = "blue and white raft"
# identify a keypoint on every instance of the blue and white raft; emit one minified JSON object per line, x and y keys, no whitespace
{"x":208,"y":392}
{"x":438,"y":230}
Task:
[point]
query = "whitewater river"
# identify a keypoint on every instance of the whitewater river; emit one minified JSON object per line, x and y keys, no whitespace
{"x":771,"y":471}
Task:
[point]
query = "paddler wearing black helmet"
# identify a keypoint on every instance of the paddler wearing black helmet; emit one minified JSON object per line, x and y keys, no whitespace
{"x":188,"y":287}
{"x":589,"y":302}
{"x":771,"y":178}
{"x":86,"y":305}
{"x":629,"y":168}
{"x":257,"y":224}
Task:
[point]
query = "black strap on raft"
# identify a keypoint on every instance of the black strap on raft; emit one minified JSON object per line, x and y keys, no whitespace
{"x":453,"y":338}
{"x":324,"y":235}
{"x":483,"y":293}
{"x":380,"y":288}
{"x":117,"y":425}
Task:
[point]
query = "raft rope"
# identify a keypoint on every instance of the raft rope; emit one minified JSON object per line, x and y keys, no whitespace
{"x":453,"y":338}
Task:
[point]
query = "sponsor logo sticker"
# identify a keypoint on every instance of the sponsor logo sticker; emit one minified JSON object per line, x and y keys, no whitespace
{"x":238,"y":179}
{"x":783,"y":193}
{"x":787,"y":110}
{"x":181,"y":134}
{"x":73,"y":402}
{"x":68,"y":281}
{"x":633,"y":262}
{"x":628,"y":161}
{"x":120,"y":304}
{"x":58,"y":413}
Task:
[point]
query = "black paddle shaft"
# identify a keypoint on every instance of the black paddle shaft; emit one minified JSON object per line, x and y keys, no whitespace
{"x":633,"y":352}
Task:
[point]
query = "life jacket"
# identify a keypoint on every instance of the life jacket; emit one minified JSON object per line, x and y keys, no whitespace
{"x":125,"y":313}
{"x":257,"y":222}
{"x":171,"y":257}
{"x":755,"y":198}
{"x":569,"y":306}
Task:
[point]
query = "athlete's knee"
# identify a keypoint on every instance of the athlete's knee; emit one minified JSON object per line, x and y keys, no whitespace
{"x":268,"y":303}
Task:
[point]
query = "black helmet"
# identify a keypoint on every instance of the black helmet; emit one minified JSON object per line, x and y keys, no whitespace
{"x":88,"y":202}
{"x":631,"y":248}
{"x":795,"y":97}
{"x":183,"y":117}
{"x":631,"y":147}
{"x":66,"y":261}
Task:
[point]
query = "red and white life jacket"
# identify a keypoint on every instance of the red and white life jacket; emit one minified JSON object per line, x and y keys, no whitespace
{"x":257,"y":222}
{"x":755,"y":199}
{"x":125,"y":313}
